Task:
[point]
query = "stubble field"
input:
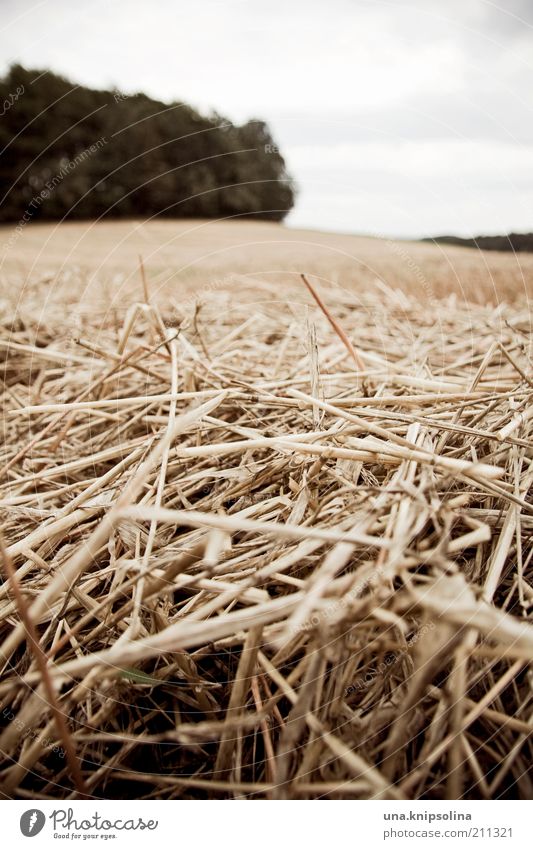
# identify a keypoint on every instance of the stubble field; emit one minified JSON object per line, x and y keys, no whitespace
{"x":266,"y":515}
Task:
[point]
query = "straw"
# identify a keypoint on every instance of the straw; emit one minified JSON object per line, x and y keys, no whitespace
{"x":242,"y":564}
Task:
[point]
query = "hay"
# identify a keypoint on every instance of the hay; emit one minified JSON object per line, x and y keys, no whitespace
{"x":253,"y":569}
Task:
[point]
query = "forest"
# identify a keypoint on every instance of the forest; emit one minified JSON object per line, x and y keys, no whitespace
{"x":514,"y":242}
{"x":71,"y":152}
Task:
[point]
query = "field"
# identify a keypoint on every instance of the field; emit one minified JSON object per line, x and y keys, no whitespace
{"x":266,"y":515}
{"x":191,"y":256}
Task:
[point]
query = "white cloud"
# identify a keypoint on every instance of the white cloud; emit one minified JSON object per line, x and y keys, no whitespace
{"x":396,"y":93}
{"x":419,"y":159}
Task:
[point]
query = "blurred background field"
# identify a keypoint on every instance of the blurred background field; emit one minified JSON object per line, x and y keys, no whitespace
{"x":188,"y":258}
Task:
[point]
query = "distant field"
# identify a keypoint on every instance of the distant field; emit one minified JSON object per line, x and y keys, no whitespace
{"x":194,"y":255}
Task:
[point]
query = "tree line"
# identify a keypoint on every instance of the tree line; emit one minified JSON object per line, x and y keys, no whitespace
{"x":516,"y":242}
{"x":68,"y":151}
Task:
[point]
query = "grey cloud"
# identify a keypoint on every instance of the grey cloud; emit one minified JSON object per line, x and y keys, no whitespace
{"x":490,"y":115}
{"x":513,"y":17}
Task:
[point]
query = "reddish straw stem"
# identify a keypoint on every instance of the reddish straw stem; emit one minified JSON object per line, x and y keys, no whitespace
{"x":42,"y":664}
{"x":336,"y":326}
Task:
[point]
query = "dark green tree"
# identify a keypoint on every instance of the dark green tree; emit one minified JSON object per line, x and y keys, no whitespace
{"x":67,"y":151}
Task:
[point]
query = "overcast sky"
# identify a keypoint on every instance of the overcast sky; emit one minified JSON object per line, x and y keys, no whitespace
{"x":395,"y":118}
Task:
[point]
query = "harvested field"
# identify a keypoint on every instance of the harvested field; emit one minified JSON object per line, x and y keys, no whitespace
{"x":237,"y":564}
{"x":188,"y":258}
